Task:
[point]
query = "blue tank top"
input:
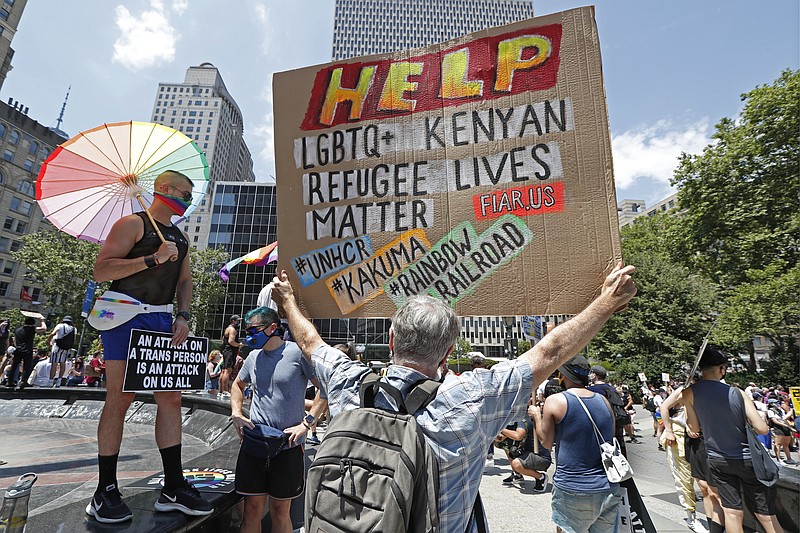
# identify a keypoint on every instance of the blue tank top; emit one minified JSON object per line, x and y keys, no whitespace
{"x":578,"y":465}
{"x":720,"y":409}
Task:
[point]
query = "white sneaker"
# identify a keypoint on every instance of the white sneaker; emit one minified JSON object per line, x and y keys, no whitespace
{"x":489,"y":461}
{"x":694,"y":524}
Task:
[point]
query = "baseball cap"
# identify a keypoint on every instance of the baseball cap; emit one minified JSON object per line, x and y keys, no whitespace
{"x":235,"y":318}
{"x":599,"y":371}
{"x":712,"y":357}
{"x":576,"y":370}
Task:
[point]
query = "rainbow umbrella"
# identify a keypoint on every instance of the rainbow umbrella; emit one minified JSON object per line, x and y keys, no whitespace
{"x":108,"y":172}
{"x":261,"y":257}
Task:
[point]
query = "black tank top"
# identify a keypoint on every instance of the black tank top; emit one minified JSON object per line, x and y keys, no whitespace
{"x":226,"y":347}
{"x":155,"y":285}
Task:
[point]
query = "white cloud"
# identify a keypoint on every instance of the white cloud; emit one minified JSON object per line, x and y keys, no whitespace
{"x":145,"y":40}
{"x":263,"y":15}
{"x":264,"y":132}
{"x":651,"y":153}
{"x":179,"y":6}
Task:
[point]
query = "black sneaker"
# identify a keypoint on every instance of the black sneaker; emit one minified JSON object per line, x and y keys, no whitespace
{"x":107,"y":506}
{"x":514,"y":477}
{"x":541,"y":484}
{"x":185,"y":499}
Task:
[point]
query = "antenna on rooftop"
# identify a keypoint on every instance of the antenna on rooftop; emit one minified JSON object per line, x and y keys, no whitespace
{"x":63,"y":108}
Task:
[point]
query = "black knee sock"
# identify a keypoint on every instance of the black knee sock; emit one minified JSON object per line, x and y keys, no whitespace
{"x":713,"y":527}
{"x":108,"y":471}
{"x":173,"y":470}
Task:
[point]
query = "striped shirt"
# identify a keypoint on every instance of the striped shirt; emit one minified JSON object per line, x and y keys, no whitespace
{"x":469,"y":411}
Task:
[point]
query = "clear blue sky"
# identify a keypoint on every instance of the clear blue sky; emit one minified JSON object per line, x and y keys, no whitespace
{"x":671,"y":69}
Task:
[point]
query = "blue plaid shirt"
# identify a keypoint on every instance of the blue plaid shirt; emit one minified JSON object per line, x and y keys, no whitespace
{"x":469,"y":411}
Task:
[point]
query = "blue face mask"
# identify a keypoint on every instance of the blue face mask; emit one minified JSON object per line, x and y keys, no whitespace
{"x":260,"y":339}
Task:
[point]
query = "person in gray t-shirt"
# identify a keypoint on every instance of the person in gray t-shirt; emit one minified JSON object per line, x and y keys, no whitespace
{"x":278,"y":373}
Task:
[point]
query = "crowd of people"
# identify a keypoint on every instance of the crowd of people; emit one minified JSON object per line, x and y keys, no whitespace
{"x":23,"y":364}
{"x":547,"y":406}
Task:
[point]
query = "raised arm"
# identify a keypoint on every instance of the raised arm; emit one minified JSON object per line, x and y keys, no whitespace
{"x":572,"y":336}
{"x":305,"y":334}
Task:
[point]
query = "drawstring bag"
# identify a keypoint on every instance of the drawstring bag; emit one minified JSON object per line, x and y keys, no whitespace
{"x":615,"y":464}
{"x":264,"y":442}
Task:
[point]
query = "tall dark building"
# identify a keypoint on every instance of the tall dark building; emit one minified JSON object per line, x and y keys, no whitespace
{"x":365,"y":27}
{"x":243,"y":219}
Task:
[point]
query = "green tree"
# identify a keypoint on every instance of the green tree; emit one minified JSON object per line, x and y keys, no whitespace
{"x":741,"y":194}
{"x":208,"y":288}
{"x":667,"y":320}
{"x":61,"y":264}
{"x":742,"y":223}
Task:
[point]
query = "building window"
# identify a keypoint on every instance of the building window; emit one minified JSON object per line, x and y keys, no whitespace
{"x":4,"y":13}
{"x":9,"y":223}
{"x":2,"y":130}
{"x":14,"y":137}
{"x":8,"y":155}
{"x":21,"y":227}
{"x":4,"y":242}
{"x":9,"y":267}
{"x":28,"y":165}
{"x":26,"y":187}
{"x":16,"y":245}
{"x":4,"y":286}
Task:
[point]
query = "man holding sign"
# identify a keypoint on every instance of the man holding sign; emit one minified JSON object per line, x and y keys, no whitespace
{"x":153,"y":272}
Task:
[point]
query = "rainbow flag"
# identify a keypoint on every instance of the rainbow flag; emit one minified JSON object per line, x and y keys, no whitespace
{"x":261,"y":257}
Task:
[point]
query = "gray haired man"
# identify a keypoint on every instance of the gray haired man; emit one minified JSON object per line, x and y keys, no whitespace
{"x":469,"y":410}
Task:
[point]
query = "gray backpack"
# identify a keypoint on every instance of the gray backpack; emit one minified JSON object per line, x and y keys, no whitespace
{"x":374,"y":471}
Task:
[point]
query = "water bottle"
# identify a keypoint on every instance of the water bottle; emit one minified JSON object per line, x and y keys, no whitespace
{"x":14,"y":514}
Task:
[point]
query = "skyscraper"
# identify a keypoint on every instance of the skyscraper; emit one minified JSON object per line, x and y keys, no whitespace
{"x":10,"y":13}
{"x":364,"y":27}
{"x":243,"y":220}
{"x":202,"y":108}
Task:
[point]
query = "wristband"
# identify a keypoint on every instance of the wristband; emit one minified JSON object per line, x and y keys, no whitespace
{"x":150,"y":261}
{"x":186,"y":315}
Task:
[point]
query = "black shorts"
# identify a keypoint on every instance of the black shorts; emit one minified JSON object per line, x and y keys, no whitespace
{"x":311,"y":393}
{"x":781,"y":431}
{"x":531,"y":461}
{"x":736,"y":477}
{"x":228,"y":358}
{"x":283,"y":480}
{"x":697,"y":457}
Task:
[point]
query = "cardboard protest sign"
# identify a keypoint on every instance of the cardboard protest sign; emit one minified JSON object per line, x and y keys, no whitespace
{"x":155,"y":365}
{"x":477,"y":171}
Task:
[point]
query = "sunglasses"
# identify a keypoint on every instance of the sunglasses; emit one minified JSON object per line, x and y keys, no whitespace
{"x":252,"y":330}
{"x":186,"y":195}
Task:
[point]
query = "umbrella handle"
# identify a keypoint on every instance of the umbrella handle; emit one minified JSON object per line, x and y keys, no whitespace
{"x":153,"y":222}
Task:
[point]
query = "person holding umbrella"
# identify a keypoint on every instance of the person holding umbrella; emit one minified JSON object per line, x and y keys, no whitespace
{"x":147,"y":258}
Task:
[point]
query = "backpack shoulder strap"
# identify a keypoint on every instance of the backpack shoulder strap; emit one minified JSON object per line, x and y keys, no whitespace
{"x":421,"y":395}
{"x":370,"y":384}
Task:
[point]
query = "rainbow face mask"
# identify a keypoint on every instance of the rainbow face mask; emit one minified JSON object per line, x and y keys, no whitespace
{"x":177,"y":204}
